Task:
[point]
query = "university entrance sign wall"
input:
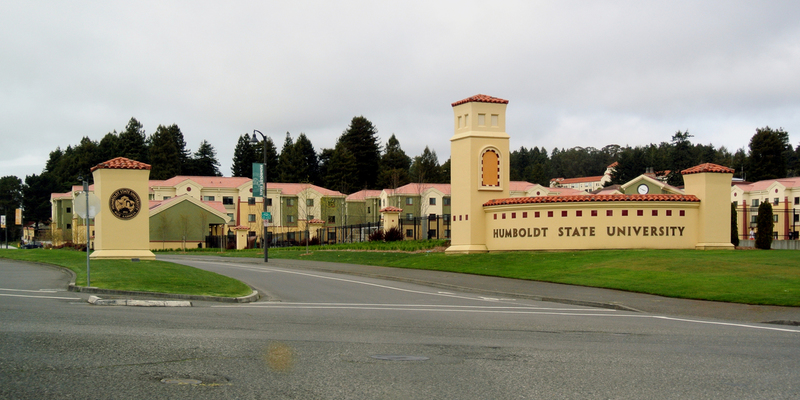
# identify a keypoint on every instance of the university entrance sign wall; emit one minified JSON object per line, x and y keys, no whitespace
{"x":485,"y":217}
{"x":122,"y":229}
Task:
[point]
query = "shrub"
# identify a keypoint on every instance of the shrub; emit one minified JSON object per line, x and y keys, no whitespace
{"x":376,"y":236}
{"x":764,"y":226}
{"x":393,"y":234}
{"x":734,"y":226}
{"x":314,"y":241}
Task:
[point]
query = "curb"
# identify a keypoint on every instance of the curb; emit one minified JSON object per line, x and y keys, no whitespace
{"x":139,"y":303}
{"x":252,"y":297}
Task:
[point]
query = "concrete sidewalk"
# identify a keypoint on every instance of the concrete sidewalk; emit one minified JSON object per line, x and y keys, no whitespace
{"x":568,"y":294}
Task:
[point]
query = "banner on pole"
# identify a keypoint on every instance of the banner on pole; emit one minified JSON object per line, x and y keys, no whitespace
{"x":258,"y":179}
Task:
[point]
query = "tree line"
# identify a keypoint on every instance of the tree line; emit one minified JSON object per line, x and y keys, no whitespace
{"x":769,"y":156}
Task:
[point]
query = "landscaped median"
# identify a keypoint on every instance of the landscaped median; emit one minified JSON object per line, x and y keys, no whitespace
{"x":765,"y":277}
{"x":137,"y":276}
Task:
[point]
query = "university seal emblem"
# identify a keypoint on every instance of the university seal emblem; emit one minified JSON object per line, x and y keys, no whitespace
{"x":125,"y":203}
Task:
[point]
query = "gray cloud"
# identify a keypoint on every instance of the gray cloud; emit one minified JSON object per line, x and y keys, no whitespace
{"x":576,"y":73}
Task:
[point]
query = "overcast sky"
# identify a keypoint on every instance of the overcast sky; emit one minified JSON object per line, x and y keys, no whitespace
{"x":585,"y":73}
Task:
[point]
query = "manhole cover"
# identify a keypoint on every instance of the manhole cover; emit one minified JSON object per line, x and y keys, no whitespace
{"x":180,"y":381}
{"x":394,"y":357}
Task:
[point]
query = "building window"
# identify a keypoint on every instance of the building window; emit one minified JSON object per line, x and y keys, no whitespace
{"x":524,"y":214}
{"x":549,"y":214}
{"x":208,"y":198}
{"x":289,"y":235}
{"x":735,"y":203}
{"x":609,"y":213}
{"x":230,"y":217}
{"x":310,"y":202}
{"x":290,"y":218}
{"x":251,"y":218}
{"x":490,"y":168}
{"x":432,"y":201}
{"x":409,"y":201}
{"x":564,"y":213}
{"x":495,"y":215}
{"x":269,"y":201}
{"x":410,"y":216}
{"x":383,"y":202}
{"x":594,"y":213}
{"x":624,"y":213}
{"x":331,"y":219}
{"x":755,"y":202}
{"x":69,"y":210}
{"x":753,"y":219}
{"x":513,"y":215}
{"x":578,"y":213}
{"x":446,"y":201}
{"x":309,"y":217}
{"x":639,"y":213}
{"x":331,"y":235}
{"x":797,"y":200}
{"x":446,"y":217}
{"x":369,"y":210}
{"x":683,"y":213}
{"x":166,"y":197}
{"x":227,"y":200}
{"x":251,"y":201}
{"x":669,"y":213}
{"x":290,"y":202}
{"x":495,"y":118}
{"x":481,"y":119}
{"x":69,"y":226}
{"x":775,"y":218}
{"x":797,"y":218}
{"x":409,"y":232}
{"x":447,"y":233}
{"x":775,"y":201}
{"x":655,"y":213}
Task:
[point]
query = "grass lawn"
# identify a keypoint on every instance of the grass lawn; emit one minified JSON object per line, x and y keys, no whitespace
{"x":145,"y":276}
{"x":743,"y":276}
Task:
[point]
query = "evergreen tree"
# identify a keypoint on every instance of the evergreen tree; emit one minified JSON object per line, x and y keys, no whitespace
{"x":681,"y":157}
{"x":425,"y":168}
{"x":394,"y":165}
{"x":734,"y":226}
{"x":444,"y":172}
{"x":307,"y":164}
{"x":244,"y":155}
{"x":631,"y":164}
{"x":109,"y":146}
{"x":287,"y":163}
{"x":204,"y":161}
{"x":361,"y":140}
{"x":180,"y":143}
{"x":36,"y":197}
{"x":10,"y":200}
{"x":764,"y":226}
{"x":340,"y":170}
{"x":165,"y":157}
{"x":767,"y":150}
{"x":133,"y":142}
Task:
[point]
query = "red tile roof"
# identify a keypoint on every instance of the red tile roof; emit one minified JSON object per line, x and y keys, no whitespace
{"x":592,"y":198}
{"x":480,"y":98}
{"x":391,"y":209}
{"x":121,"y":163}
{"x":316,"y":221}
{"x":583,"y":179}
{"x":707,"y":167}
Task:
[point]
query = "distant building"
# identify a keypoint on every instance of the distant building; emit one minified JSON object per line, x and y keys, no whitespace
{"x":782,"y":194}
{"x":587,"y":183}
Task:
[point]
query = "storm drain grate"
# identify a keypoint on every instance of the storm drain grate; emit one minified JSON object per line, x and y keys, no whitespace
{"x":395,"y":357}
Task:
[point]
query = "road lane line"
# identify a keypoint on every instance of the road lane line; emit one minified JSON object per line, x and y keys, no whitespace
{"x":31,"y":291}
{"x":39,"y":297}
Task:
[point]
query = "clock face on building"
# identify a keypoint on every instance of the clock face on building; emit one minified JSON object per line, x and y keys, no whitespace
{"x":643,"y":189}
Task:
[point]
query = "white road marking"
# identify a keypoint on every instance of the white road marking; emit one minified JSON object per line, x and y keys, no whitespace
{"x":31,"y":291}
{"x":39,"y":297}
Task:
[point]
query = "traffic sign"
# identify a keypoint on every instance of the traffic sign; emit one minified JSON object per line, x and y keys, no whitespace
{"x":266,"y":215}
{"x":80,"y":205}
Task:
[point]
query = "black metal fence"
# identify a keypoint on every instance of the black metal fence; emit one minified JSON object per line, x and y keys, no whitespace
{"x":786,"y":223}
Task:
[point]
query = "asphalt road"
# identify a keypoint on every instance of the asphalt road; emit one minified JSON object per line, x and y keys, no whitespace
{"x":333,"y":336}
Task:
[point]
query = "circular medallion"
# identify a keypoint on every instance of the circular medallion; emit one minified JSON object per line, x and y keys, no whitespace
{"x":643,"y":189}
{"x":124,"y":203}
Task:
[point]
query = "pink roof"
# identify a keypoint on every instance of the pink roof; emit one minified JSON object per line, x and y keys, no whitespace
{"x":217,"y":205}
{"x":418,"y":188}
{"x":480,"y":98}
{"x":121,"y":163}
{"x":205,"y":181}
{"x":593,"y":198}
{"x":763,"y":185}
{"x":578,"y":180}
{"x":363,"y":195}
{"x":295,"y":188}
{"x":54,"y":196}
{"x":562,"y":191}
{"x":391,"y":209}
{"x":519,"y":186}
{"x":79,"y":188}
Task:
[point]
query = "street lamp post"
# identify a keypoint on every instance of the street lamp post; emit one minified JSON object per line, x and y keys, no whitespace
{"x":254,"y":141}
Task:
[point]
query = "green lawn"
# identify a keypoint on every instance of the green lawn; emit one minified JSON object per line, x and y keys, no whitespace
{"x":145,"y":276}
{"x":743,"y":276}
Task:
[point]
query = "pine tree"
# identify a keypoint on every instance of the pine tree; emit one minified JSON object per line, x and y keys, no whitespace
{"x":287,"y":163}
{"x":305,"y":158}
{"x":425,"y":168}
{"x":165,"y":158}
{"x":361,"y":140}
{"x":244,"y":155}
{"x":394,"y":165}
{"x":767,"y":150}
{"x":341,"y":170}
{"x":204,"y":161}
{"x":133,"y":142}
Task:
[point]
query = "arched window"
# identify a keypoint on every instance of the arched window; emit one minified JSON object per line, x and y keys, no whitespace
{"x":490,"y":168}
